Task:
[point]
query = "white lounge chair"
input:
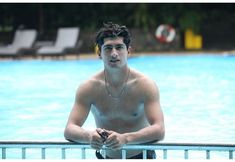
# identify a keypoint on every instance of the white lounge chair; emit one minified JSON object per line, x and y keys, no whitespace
{"x":66,"y":38}
{"x":23,"y":40}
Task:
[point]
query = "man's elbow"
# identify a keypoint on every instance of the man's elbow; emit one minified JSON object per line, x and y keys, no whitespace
{"x":161,"y":133}
{"x":67,"y":134}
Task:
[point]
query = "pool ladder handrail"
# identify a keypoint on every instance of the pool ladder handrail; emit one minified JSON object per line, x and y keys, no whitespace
{"x":63,"y":145}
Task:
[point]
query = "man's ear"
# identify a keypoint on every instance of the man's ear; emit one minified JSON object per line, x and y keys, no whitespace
{"x":97,"y":51}
{"x":129,"y":50}
{"x":99,"y":55}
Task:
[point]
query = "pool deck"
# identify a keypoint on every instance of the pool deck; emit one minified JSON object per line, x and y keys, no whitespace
{"x":94,"y":56}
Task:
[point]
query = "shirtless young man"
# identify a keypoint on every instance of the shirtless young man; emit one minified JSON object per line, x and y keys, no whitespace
{"x":125,"y":103}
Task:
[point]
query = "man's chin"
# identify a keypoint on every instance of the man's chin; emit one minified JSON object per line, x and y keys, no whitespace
{"x":114,"y":64}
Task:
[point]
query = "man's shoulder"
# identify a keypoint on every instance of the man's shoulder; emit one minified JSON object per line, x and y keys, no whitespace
{"x":144,"y":82}
{"x":88,"y":89}
{"x":141,"y":78}
{"x":91,"y":83}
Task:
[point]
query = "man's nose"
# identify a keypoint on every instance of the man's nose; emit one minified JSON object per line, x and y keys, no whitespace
{"x":114,"y":53}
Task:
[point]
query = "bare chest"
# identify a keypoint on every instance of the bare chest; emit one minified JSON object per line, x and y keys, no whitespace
{"x":129,"y":105}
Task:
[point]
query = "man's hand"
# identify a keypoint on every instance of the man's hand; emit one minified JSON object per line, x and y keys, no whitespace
{"x":96,"y":141}
{"x":103,"y":134}
{"x":115,"y":141}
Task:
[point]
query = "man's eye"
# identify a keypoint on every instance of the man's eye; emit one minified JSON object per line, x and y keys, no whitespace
{"x":119,"y":47}
{"x":108,"y":48}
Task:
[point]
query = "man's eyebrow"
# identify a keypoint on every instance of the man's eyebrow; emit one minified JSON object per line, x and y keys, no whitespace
{"x":120,"y":45}
{"x":108,"y":45}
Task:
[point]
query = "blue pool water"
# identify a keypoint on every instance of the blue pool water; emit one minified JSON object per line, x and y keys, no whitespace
{"x":197,"y":96}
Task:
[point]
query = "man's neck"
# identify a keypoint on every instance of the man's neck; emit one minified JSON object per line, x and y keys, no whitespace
{"x":116,"y":77}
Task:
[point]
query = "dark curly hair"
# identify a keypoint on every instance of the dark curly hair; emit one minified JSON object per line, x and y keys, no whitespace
{"x":111,"y":30}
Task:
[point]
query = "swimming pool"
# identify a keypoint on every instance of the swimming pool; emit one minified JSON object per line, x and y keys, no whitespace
{"x":197,"y":96}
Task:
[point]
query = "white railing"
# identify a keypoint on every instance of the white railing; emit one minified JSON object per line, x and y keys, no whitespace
{"x":63,"y":147}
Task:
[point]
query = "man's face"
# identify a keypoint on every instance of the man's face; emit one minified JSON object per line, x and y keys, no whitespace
{"x":114,"y":52}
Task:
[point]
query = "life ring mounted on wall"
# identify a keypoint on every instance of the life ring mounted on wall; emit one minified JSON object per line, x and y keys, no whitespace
{"x":165,"y":33}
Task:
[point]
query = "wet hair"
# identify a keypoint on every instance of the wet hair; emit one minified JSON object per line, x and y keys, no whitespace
{"x":111,"y":30}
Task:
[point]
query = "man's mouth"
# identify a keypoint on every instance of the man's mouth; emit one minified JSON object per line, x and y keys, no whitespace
{"x":114,"y":61}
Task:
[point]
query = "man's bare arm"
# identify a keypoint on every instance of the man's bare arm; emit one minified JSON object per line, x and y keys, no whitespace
{"x":77,"y":117}
{"x":156,"y":130}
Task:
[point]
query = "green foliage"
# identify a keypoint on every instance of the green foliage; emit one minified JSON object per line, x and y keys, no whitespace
{"x":89,"y":16}
{"x":190,"y":19}
{"x":141,"y":16}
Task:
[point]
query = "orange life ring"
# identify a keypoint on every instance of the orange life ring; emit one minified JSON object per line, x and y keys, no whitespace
{"x":165,"y":33}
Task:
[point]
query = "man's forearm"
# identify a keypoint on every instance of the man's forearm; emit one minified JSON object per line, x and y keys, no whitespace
{"x":145,"y":135}
{"x":77,"y":134}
